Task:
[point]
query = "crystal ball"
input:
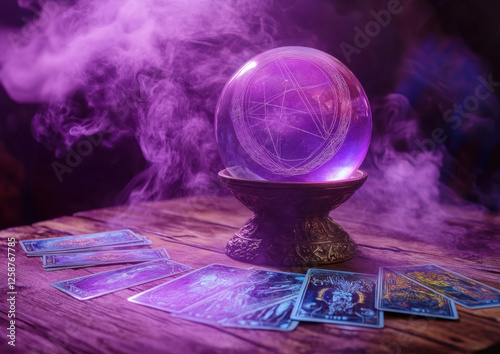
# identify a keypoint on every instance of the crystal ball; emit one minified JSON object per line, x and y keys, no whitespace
{"x":293,"y":114}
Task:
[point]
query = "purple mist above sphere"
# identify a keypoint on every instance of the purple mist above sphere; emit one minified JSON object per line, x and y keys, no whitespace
{"x":293,"y":114}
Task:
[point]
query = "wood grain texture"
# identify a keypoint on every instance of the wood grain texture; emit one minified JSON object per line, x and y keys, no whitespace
{"x":195,"y":231}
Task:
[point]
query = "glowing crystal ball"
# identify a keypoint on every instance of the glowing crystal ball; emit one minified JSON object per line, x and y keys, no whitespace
{"x":293,"y":114}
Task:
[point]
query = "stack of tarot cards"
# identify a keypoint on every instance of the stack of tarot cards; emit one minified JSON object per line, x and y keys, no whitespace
{"x":92,"y":249}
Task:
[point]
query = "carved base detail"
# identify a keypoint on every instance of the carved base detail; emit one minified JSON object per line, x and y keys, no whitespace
{"x":308,"y":242}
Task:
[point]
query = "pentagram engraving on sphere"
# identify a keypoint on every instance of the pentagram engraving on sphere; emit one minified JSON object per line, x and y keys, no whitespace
{"x":292,"y":116}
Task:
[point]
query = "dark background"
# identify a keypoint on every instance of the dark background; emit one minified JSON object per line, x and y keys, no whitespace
{"x":413,"y":56}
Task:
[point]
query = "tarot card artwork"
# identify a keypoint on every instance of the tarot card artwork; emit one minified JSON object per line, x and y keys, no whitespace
{"x":261,"y":289}
{"x":396,"y":293}
{"x":85,"y":259}
{"x":178,"y":294}
{"x":56,"y":244}
{"x":338,"y":297}
{"x":275,"y":317}
{"x":90,"y":286}
{"x":463,"y":290}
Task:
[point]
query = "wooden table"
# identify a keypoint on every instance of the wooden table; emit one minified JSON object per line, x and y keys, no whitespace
{"x":195,"y":231}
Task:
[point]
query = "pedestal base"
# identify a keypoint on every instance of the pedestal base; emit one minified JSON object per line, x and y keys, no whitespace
{"x":309,"y":242}
{"x":291,"y":226}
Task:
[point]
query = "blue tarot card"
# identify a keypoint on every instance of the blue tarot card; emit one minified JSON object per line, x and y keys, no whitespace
{"x":338,"y":297}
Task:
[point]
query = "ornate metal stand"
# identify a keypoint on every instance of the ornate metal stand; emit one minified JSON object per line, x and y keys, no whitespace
{"x":291,"y":226}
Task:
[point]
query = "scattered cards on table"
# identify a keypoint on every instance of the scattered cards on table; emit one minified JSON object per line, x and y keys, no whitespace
{"x":257,"y":298}
{"x":261,"y":299}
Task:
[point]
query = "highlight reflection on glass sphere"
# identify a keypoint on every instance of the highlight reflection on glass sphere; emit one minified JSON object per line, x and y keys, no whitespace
{"x":293,"y":114}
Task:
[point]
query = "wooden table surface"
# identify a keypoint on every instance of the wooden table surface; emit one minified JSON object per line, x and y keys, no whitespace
{"x":195,"y":231}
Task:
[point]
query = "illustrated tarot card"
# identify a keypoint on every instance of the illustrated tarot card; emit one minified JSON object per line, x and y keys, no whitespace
{"x":399,"y":294}
{"x":338,"y":297}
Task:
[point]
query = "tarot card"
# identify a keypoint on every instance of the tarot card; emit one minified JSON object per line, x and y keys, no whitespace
{"x":464,"y":291}
{"x":83,"y":259}
{"x":275,"y":317}
{"x":396,"y":293}
{"x":53,"y":245}
{"x":338,"y":297}
{"x":191,"y":288}
{"x":90,"y":286}
{"x":262,"y":289}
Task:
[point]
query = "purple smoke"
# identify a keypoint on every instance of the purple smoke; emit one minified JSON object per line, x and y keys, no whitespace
{"x":147,"y":69}
{"x":153,"y":71}
{"x":408,"y":161}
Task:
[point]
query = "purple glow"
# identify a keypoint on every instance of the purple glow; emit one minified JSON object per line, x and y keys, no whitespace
{"x":293,"y":114}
